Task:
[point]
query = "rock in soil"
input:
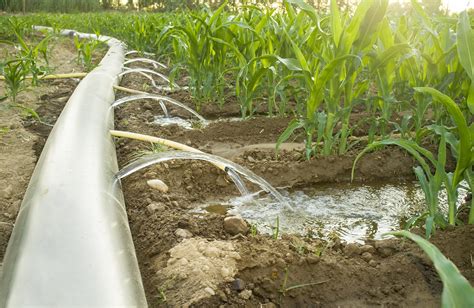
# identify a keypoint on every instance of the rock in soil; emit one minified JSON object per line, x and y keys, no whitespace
{"x":235,"y":225}
{"x":245,"y":294}
{"x":352,"y":250}
{"x":183,"y":233}
{"x":153,"y":207}
{"x":367,"y":256}
{"x":238,"y":284}
{"x":158,"y":185}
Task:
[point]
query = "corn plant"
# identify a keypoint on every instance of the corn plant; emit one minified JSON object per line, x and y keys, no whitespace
{"x":202,"y":45}
{"x":85,"y":50}
{"x":431,"y":184}
{"x":30,"y":53}
{"x":14,"y":72}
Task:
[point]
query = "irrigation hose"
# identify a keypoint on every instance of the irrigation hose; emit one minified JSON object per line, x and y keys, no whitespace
{"x":166,"y":142}
{"x":56,"y":76}
{"x":128,"y":90}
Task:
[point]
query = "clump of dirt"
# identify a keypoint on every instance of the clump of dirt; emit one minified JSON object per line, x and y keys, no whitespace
{"x":195,"y":269}
{"x":290,"y":271}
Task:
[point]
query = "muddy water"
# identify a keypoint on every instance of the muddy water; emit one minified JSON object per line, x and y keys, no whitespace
{"x":351,"y":212}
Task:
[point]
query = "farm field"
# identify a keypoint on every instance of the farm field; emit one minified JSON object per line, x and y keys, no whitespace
{"x":327,"y":128}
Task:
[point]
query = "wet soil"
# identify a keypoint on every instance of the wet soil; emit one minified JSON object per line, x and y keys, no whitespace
{"x":22,"y":135}
{"x":290,"y":271}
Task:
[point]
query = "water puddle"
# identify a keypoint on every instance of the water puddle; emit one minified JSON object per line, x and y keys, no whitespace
{"x":351,"y":212}
{"x":165,"y":121}
{"x":187,"y":123}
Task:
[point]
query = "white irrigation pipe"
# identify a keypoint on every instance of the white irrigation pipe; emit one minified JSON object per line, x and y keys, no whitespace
{"x":71,"y":245}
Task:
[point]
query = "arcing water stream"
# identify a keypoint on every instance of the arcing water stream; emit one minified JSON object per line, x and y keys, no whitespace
{"x":152,"y":159}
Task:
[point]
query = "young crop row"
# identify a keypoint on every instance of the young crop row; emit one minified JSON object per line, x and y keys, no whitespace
{"x":410,"y":75}
{"x":28,"y":57}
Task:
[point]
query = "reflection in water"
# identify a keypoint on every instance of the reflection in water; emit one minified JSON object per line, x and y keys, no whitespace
{"x":165,"y":121}
{"x":350,"y":211}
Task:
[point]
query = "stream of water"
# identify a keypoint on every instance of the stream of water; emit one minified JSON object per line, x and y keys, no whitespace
{"x":220,"y":162}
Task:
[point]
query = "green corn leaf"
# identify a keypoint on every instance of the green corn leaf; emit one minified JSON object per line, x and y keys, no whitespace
{"x":7,"y":42}
{"x":465,"y":43}
{"x":386,"y":35}
{"x":353,"y":29}
{"x":236,"y":51}
{"x":298,"y":53}
{"x":308,"y":9}
{"x":429,"y":224}
{"x":465,"y":144}
{"x":373,"y":18}
{"x":422,"y":14}
{"x":289,"y":63}
{"x":336,"y":22}
{"x":470,"y":98}
{"x":389,"y":54}
{"x":292,"y":126}
{"x":411,"y":147}
{"x":289,"y":10}
{"x":457,"y":291}
{"x":217,"y":13}
{"x":320,"y":81}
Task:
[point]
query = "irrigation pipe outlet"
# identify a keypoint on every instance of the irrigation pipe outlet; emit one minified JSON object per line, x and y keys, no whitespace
{"x":71,"y":244}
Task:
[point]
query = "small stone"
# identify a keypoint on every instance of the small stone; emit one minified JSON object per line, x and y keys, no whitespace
{"x":225,"y":272}
{"x":154,"y":207}
{"x":7,"y":192}
{"x":238,"y":284}
{"x":220,"y":181}
{"x":235,"y":225}
{"x":210,"y":291}
{"x":367,"y":248}
{"x":222,"y":296}
{"x":62,"y":99}
{"x":268,"y":305}
{"x":352,"y":250}
{"x":175,"y":203}
{"x":251,"y":159}
{"x":182,"y":261}
{"x":183,"y":233}
{"x":373,"y":263}
{"x":158,"y":185}
{"x":367,"y":256}
{"x":385,"y":252}
{"x":212,"y":252}
{"x":7,"y":215}
{"x":245,"y":294}
{"x":312,"y":259}
{"x":147,"y":106}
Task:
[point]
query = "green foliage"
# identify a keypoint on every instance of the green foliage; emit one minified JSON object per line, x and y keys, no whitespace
{"x":14,"y":72}
{"x":457,"y":291}
{"x":334,"y":70}
{"x":85,"y":49}
{"x":465,"y":43}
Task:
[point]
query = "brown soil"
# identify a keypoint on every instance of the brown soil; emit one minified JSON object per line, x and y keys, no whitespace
{"x":289,"y":272}
{"x":22,"y":137}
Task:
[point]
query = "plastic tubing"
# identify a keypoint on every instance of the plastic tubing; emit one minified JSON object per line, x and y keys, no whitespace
{"x":71,"y":244}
